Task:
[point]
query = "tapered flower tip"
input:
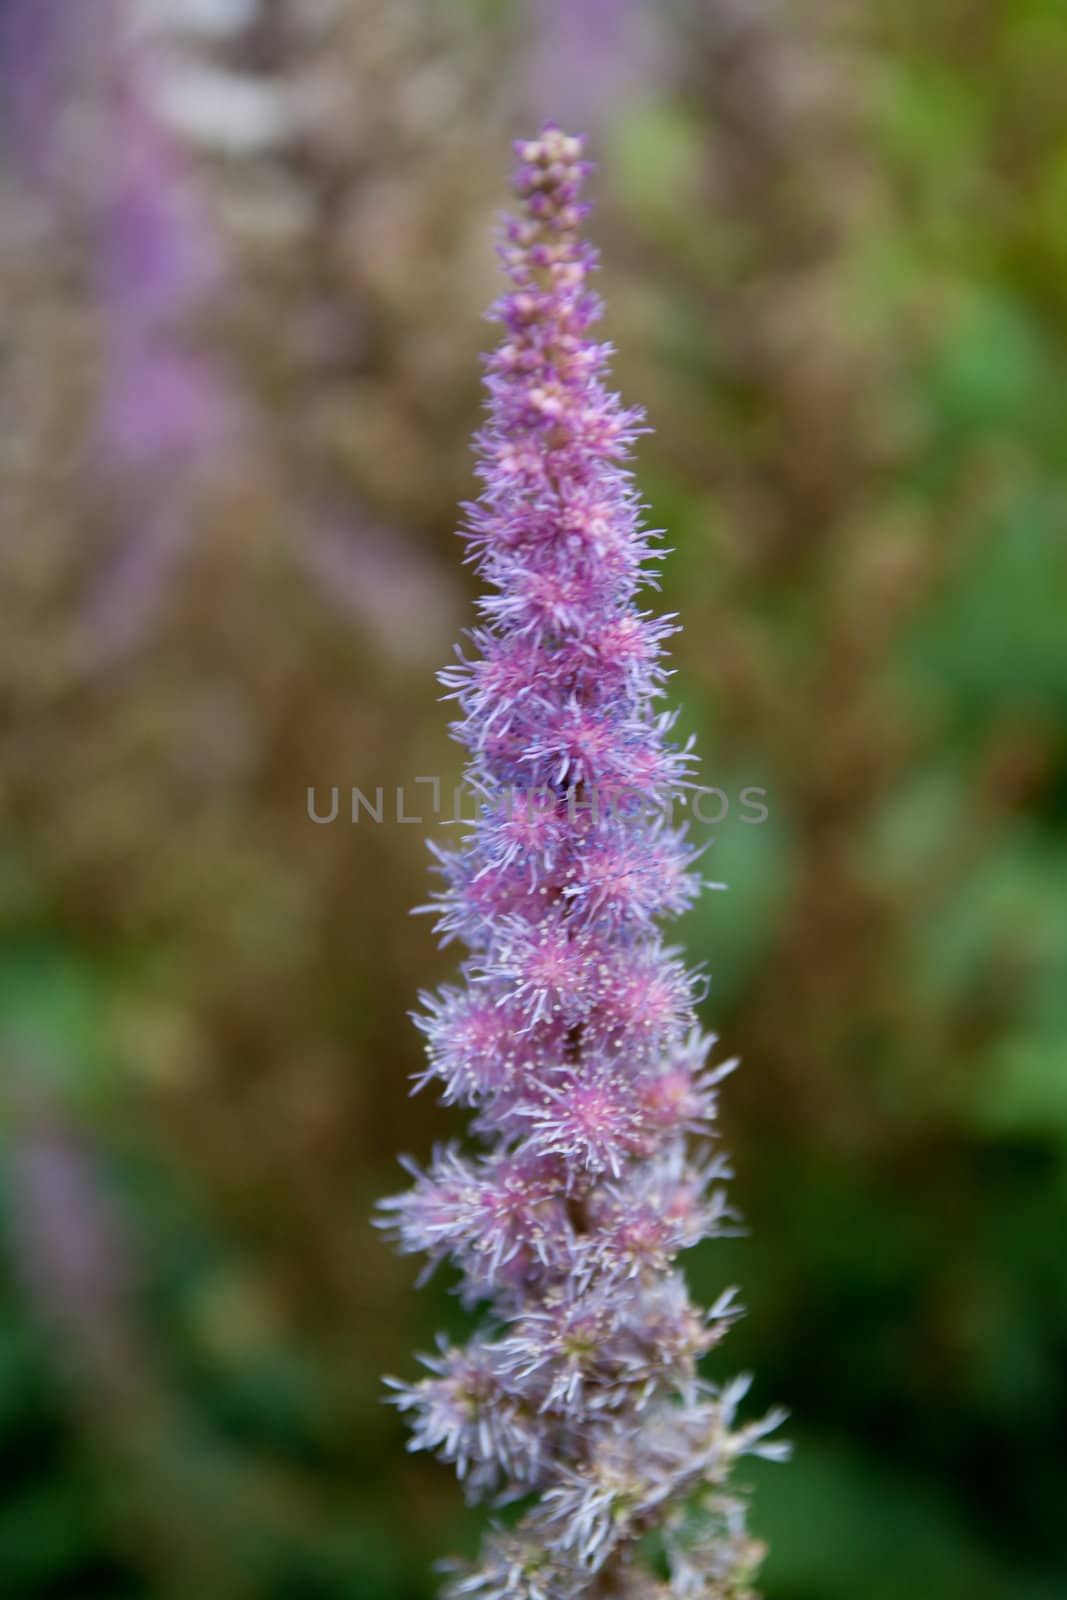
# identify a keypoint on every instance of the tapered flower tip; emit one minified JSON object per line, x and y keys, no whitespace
{"x":550,"y":172}
{"x":551,"y":144}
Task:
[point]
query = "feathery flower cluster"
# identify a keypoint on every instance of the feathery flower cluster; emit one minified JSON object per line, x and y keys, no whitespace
{"x":574,"y":1038}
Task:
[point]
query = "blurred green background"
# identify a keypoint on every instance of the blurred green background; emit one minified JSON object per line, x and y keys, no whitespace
{"x":244,"y":255}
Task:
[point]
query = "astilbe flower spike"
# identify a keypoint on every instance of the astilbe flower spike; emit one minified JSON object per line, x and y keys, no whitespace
{"x":573,"y":1037}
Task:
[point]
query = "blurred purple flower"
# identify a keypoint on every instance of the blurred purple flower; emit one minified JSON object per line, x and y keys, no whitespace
{"x":69,"y":1250}
{"x":41,"y":44}
{"x":165,"y":403}
{"x":586,"y":56}
{"x":168,"y":413}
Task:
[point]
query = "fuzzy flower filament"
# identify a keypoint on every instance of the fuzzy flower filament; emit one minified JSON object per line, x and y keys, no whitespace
{"x":573,"y":1036}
